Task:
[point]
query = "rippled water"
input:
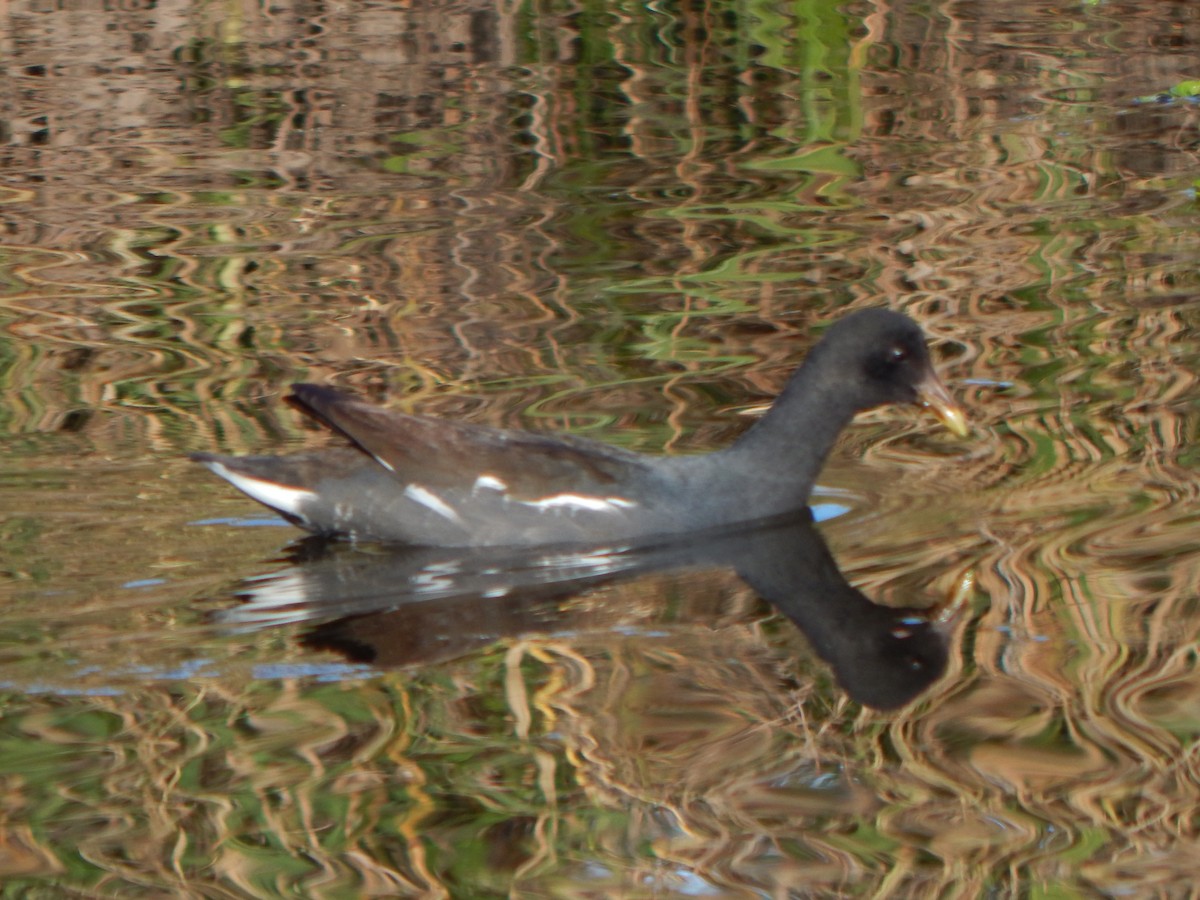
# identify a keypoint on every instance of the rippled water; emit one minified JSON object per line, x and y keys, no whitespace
{"x":628,"y":222}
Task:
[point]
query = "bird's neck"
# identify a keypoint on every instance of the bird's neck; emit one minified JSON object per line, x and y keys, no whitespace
{"x":789,"y":444}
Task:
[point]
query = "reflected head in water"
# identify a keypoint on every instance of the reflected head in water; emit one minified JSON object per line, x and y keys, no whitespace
{"x":432,"y":482}
{"x":405,"y":606}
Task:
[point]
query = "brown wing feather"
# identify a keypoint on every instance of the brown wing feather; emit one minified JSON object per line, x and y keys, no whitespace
{"x":443,"y":453}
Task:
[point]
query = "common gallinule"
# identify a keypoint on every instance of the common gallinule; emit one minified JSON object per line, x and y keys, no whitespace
{"x":418,"y":480}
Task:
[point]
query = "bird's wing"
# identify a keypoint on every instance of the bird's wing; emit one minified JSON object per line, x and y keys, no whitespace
{"x":439,"y":453}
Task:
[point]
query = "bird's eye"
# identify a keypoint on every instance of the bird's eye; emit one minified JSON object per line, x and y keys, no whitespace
{"x":898,"y":353}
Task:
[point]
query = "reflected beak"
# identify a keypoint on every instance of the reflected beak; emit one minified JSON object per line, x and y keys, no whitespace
{"x":946,"y":615}
{"x":933,"y":394}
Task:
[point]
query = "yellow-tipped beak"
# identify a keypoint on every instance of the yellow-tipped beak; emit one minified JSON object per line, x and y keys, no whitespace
{"x":933,"y":394}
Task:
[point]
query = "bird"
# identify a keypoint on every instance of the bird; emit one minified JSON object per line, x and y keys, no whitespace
{"x":419,"y":480}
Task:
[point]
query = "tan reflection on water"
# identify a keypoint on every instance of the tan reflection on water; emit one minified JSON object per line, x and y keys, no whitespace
{"x":451,"y":209}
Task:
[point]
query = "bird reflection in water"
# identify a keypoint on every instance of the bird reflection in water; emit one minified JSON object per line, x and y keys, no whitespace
{"x":404,"y":606}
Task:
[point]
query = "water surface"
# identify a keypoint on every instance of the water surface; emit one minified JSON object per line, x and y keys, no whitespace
{"x":626,"y":222}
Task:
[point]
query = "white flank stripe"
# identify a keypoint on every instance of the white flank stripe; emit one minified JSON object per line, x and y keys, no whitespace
{"x":432,"y":501}
{"x":489,"y":481}
{"x":287,"y":588}
{"x":581,"y":501}
{"x":277,"y":496}
{"x":621,"y":502}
